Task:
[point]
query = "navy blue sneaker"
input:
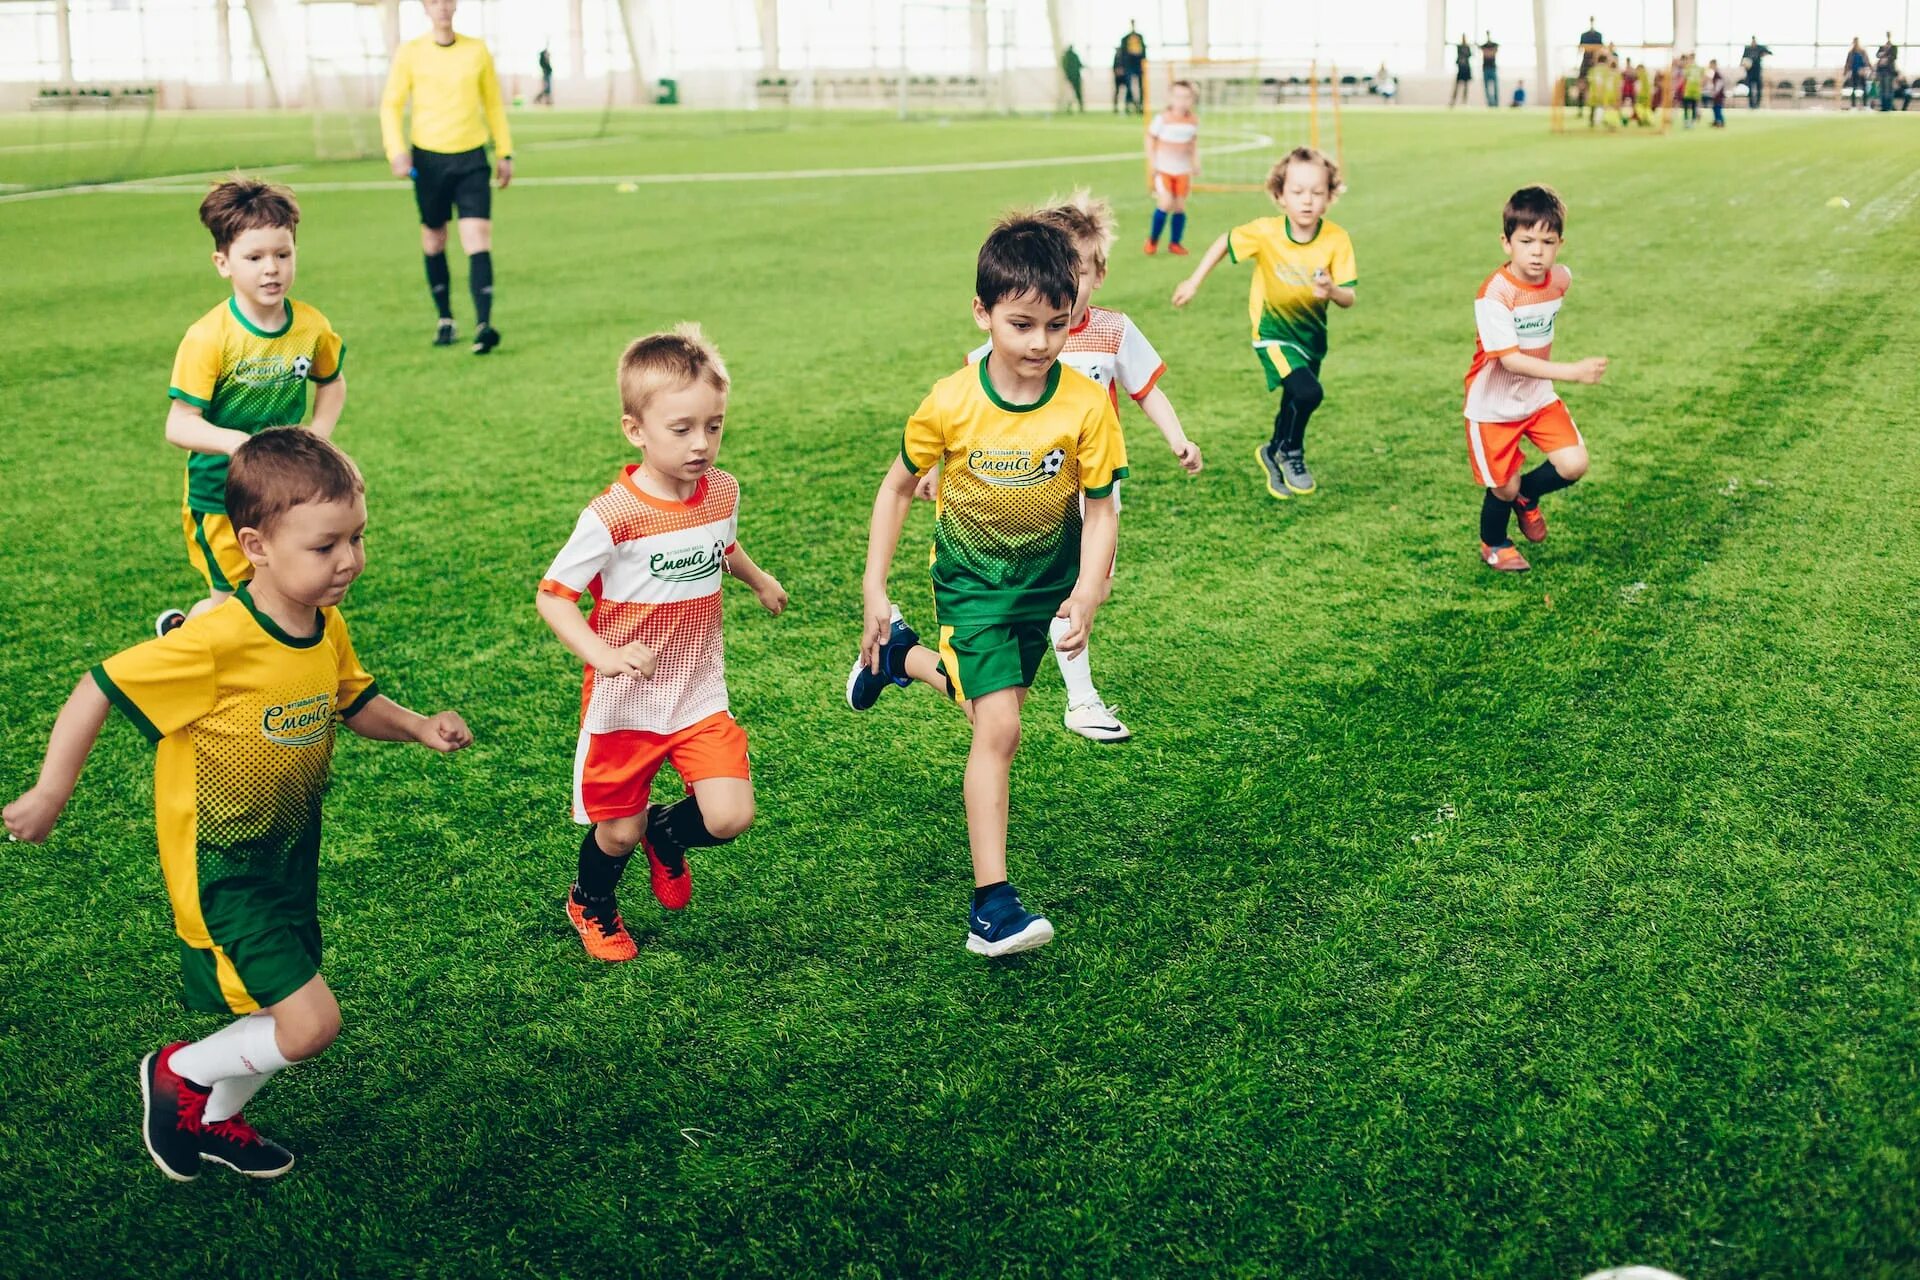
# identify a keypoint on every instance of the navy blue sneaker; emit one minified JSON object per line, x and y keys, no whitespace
{"x":1000,"y":926}
{"x":863,"y":686}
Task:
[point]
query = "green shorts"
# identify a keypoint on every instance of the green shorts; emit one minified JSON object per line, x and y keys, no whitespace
{"x":1277,"y":360}
{"x":987,"y":657}
{"x":245,"y":975}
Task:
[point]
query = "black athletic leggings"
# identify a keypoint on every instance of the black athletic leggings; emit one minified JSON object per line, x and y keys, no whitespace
{"x":1300,"y":395}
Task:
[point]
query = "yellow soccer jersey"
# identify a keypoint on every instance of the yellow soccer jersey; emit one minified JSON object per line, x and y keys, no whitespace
{"x":455,"y":93}
{"x":243,"y":716}
{"x":249,"y":379}
{"x":1282,"y":306}
{"x":1006,"y":542}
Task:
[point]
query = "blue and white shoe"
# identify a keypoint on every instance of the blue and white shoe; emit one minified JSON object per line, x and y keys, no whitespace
{"x":1000,"y":926}
{"x":864,"y":686}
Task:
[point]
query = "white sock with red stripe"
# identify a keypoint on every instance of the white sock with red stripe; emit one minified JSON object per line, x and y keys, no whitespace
{"x":235,"y":1061}
{"x":1076,"y":671}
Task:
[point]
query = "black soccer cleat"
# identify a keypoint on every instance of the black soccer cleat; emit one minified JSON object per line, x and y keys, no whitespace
{"x":238,"y":1145}
{"x":444,"y":335}
{"x":170,"y":1124}
{"x":485,"y":339}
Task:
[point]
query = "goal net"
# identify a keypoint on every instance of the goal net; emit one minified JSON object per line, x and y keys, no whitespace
{"x":1618,"y":89}
{"x":1252,"y":111}
{"x":955,"y":59}
{"x":346,"y":66}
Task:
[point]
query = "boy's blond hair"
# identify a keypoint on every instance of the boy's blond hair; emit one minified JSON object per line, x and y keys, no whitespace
{"x":667,"y":362}
{"x":1087,"y":218}
{"x":1277,"y":178}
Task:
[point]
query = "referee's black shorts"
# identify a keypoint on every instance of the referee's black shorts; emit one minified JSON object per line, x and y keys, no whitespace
{"x":442,"y":180}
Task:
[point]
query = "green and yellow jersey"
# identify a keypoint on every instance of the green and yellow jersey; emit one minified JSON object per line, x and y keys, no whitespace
{"x":1284,"y":311}
{"x":243,"y":718}
{"x":249,"y":378}
{"x":1007,"y":518}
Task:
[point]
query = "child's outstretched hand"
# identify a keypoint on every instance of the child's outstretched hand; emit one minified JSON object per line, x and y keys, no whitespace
{"x":1184,"y":292}
{"x":32,"y":816}
{"x":631,"y":659}
{"x":1189,"y":456}
{"x":772,"y":596}
{"x":1592,"y":369}
{"x":1322,"y":284}
{"x":1078,"y":611}
{"x":445,"y":732}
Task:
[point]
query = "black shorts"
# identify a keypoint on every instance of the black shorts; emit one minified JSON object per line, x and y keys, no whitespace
{"x":442,"y":180}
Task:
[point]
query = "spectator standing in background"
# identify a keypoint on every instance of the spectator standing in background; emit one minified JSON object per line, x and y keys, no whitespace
{"x":1750,"y":58}
{"x":1133,"y":60}
{"x":1885,"y":68}
{"x":1119,"y":74}
{"x":1070,"y":66}
{"x":546,"y":78}
{"x":1462,"y":71}
{"x":1854,"y":75}
{"x":1716,"y":91}
{"x":1490,"y":69}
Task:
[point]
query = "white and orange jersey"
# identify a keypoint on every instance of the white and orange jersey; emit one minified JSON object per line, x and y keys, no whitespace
{"x":653,"y":568}
{"x":1512,"y":316}
{"x":1109,"y":348}
{"x":1175,"y":143}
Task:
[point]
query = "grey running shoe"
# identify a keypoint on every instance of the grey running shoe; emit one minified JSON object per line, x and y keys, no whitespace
{"x":1294,"y":473}
{"x":1276,"y":482}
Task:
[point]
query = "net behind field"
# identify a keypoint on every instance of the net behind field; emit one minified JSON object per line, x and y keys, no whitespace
{"x":1292,"y":104}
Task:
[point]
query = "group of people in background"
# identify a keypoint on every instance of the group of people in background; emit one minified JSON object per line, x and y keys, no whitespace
{"x":1129,"y":73}
{"x":1887,"y":85}
{"x":1489,"y":71}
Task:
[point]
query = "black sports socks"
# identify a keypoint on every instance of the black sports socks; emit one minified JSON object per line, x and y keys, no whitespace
{"x":600,"y":871}
{"x":480,"y":282}
{"x":440,"y":283}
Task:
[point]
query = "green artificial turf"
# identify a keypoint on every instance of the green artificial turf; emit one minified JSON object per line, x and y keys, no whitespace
{"x":1436,"y":922}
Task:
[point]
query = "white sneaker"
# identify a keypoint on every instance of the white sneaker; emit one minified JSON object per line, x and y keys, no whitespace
{"x":1097,"y":721}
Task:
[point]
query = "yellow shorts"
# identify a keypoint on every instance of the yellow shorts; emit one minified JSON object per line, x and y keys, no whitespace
{"x":213,"y":549}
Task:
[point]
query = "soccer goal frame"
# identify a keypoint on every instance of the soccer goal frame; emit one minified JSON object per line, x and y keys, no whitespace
{"x":1570,"y":99}
{"x":1256,"y":95}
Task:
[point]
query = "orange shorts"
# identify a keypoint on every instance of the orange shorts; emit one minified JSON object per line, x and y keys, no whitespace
{"x":1494,"y":447}
{"x":613,"y":772}
{"x":1174,"y":186}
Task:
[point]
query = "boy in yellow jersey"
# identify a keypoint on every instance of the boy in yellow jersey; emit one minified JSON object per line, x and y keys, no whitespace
{"x":456,"y":106}
{"x":1301,"y":262}
{"x":242,"y":367}
{"x":241,"y":703}
{"x":1019,"y":437}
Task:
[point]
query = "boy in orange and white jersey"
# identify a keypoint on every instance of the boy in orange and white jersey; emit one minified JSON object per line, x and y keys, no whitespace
{"x":1173,"y":159}
{"x":651,"y":551}
{"x":1510,"y":394}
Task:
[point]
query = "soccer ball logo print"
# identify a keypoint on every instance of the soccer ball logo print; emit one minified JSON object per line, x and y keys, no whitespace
{"x":300,"y":366}
{"x":1052,"y":462}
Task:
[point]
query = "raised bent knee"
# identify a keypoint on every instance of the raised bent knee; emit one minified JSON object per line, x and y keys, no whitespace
{"x":306,"y":1038}
{"x":617,"y":836}
{"x":725,"y":822}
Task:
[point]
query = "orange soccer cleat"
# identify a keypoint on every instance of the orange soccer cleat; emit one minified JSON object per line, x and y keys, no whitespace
{"x":1177,"y":249}
{"x":1505,"y":559}
{"x":673,"y":891}
{"x":1532,"y":523}
{"x":1153,"y":247}
{"x":601,"y":930}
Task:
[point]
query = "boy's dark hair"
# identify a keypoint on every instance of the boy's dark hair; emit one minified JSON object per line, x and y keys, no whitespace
{"x":1025,"y":255}
{"x":241,"y":204}
{"x":1534,"y":207}
{"x":279,"y":469}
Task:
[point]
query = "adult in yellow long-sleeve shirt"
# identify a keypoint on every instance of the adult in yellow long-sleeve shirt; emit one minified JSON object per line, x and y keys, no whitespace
{"x":456,"y":107}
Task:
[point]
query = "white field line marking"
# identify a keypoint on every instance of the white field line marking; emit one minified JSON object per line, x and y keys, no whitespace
{"x":173,"y":185}
{"x":181,"y":182}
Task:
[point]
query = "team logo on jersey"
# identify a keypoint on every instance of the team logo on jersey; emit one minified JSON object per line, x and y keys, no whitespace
{"x":689,"y":565}
{"x":266,"y":371}
{"x":298,"y":724}
{"x":1535,"y":327}
{"x":1016,"y":468}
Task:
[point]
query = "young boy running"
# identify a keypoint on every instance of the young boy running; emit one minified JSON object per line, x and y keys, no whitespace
{"x":1301,"y":262}
{"x":242,"y":367}
{"x":1510,"y":383}
{"x":1173,"y":160}
{"x":1019,"y":438}
{"x":1110,"y":349}
{"x":241,"y":703}
{"x":651,"y":550}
